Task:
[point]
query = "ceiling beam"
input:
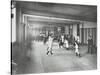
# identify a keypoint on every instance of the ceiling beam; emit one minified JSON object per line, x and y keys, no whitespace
{"x":52,"y":23}
{"x":57,"y":15}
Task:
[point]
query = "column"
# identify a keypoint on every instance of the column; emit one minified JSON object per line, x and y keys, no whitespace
{"x":19,"y":26}
{"x":78,"y":30}
{"x":82,"y":33}
{"x":26,"y":27}
{"x":66,"y":29}
{"x":74,"y":30}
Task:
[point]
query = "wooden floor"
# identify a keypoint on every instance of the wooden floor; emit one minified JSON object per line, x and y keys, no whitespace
{"x":61,"y":61}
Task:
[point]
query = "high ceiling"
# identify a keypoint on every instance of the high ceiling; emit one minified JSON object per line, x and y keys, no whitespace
{"x":64,"y":11}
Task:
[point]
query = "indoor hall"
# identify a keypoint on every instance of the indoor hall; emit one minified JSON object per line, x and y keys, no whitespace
{"x":33,"y":23}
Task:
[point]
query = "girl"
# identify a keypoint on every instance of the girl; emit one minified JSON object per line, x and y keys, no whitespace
{"x":66,"y":44}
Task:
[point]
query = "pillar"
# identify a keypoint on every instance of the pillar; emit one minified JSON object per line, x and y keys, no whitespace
{"x":66,"y":30}
{"x":26,"y":28}
{"x":74,"y":30}
{"x":19,"y":24}
{"x":82,"y":33}
{"x":78,"y":30}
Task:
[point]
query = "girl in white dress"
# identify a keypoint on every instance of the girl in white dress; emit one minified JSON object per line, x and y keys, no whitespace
{"x":66,"y":44}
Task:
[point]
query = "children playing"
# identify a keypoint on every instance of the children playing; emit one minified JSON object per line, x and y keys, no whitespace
{"x":77,"y":49}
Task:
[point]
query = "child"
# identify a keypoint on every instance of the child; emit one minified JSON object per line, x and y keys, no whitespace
{"x":50,"y":42}
{"x":61,"y":41}
{"x":77,"y":49}
{"x":66,"y":44}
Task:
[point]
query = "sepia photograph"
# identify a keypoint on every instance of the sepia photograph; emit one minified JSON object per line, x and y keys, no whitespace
{"x":51,"y":37}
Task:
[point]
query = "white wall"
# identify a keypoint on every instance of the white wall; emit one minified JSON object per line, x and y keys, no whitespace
{"x":90,"y":24}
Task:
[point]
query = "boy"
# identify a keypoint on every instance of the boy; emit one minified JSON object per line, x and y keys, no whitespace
{"x":77,"y":49}
{"x":50,"y":42}
{"x":90,"y":44}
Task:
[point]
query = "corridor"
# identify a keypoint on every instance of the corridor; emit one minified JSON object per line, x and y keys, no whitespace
{"x":72,"y":26}
{"x":61,"y":61}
